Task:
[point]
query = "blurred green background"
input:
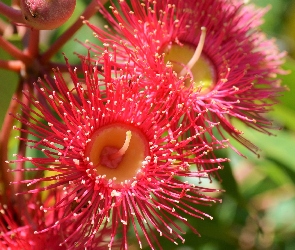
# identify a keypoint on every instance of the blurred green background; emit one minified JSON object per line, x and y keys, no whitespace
{"x":258,"y":208}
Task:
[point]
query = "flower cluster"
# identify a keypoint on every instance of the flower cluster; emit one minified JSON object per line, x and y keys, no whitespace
{"x":118,"y":148}
{"x":231,"y":66}
{"x":118,"y":152}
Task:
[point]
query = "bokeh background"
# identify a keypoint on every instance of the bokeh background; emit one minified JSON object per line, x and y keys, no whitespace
{"x":258,"y":208}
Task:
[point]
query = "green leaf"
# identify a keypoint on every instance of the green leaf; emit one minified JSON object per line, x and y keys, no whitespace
{"x":289,"y":81}
{"x":284,"y":115}
{"x":274,"y":171}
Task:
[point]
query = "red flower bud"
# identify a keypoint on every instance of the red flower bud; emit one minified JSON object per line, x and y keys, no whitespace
{"x":47,"y":14}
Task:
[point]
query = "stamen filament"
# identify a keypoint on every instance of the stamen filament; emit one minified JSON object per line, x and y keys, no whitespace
{"x":124,"y":148}
{"x":197,"y":53}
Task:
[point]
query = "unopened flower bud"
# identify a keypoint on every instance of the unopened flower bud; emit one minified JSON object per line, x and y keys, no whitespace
{"x":47,"y":14}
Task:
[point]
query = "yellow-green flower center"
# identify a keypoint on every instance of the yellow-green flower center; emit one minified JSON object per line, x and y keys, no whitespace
{"x":188,"y":59}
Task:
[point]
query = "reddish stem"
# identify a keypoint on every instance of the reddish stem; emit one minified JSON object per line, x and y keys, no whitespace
{"x":13,"y":65}
{"x":21,"y":207}
{"x":14,"y":51}
{"x":11,"y":13}
{"x":55,"y":47}
{"x":3,"y":26}
{"x":32,"y":49}
{"x":19,"y":176}
{"x":6,"y":176}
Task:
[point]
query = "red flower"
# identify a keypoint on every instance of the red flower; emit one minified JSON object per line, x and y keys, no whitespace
{"x":21,"y":227}
{"x":18,"y":225}
{"x":233,"y":71}
{"x":115,"y":150}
